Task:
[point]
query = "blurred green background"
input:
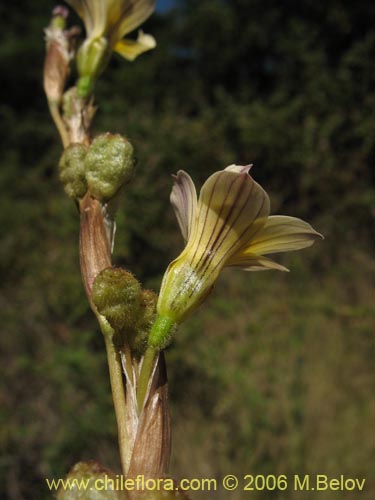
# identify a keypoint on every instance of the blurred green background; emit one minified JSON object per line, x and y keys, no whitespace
{"x":275,"y":374}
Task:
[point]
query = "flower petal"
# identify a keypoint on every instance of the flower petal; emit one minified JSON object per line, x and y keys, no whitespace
{"x":94,"y":15}
{"x":231,"y":208}
{"x":253,"y":262}
{"x":282,"y":234}
{"x":241,"y":169}
{"x":133,"y":15}
{"x":130,"y":49}
{"x":112,"y":18}
{"x":184,"y":201}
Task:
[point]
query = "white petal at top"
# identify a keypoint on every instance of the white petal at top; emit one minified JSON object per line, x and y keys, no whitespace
{"x":184,"y":201}
{"x":240,"y":169}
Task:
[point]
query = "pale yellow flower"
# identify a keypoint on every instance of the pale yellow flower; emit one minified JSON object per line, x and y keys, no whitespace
{"x":229,"y":225}
{"x":106,"y":23}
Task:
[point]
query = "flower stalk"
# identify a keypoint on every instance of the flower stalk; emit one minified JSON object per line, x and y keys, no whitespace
{"x":228,"y":224}
{"x":118,"y":394}
{"x":93,"y":171}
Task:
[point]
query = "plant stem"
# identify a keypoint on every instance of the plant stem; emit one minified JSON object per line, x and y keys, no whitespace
{"x":118,"y":394}
{"x":129,"y":363}
{"x":145,"y":375}
{"x":59,"y":122}
{"x":158,"y":336}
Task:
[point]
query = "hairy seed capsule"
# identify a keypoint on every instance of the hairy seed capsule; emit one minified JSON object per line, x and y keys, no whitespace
{"x":147,"y":312}
{"x":72,"y":170}
{"x":117,"y":296}
{"x":109,"y":165}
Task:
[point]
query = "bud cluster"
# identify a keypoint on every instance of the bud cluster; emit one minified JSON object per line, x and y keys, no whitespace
{"x":129,"y":309}
{"x":101,"y":168}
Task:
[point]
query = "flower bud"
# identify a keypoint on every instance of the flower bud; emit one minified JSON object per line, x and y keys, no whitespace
{"x":72,"y":170}
{"x":92,"y":57}
{"x":117,"y":295}
{"x":56,"y":65}
{"x":109,"y":165}
{"x":92,"y":474}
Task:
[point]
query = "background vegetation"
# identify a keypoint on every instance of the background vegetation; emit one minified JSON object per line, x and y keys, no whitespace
{"x":275,"y":374}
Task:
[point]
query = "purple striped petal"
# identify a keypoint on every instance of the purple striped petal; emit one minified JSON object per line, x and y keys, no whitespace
{"x":184,"y":201}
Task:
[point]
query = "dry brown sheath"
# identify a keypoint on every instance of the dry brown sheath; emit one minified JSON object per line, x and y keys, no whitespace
{"x":152,"y":445}
{"x":94,"y":248}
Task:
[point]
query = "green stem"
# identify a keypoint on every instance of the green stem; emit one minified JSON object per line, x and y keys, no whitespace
{"x":160,"y":334}
{"x":158,"y":339}
{"x":118,"y":394}
{"x":85,"y":85}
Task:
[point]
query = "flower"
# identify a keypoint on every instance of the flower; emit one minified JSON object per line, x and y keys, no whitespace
{"x":229,"y":225}
{"x":106,"y":23}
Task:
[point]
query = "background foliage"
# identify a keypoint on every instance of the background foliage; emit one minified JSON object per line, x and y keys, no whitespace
{"x":275,"y":374}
